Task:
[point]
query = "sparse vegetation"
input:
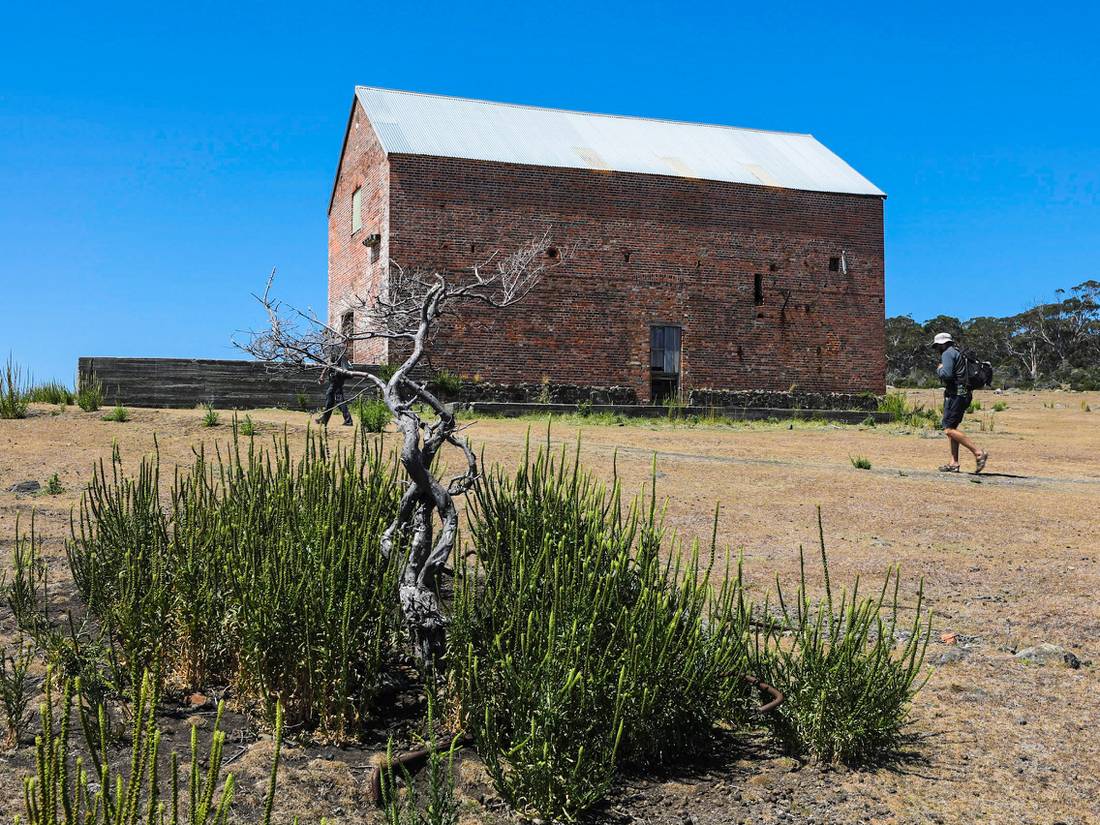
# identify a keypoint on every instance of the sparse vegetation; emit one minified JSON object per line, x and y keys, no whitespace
{"x":51,"y":392}
{"x":975,"y":406}
{"x":53,"y":485}
{"x":15,"y":690}
{"x":89,"y":395}
{"x":245,"y":426}
{"x":64,"y":791}
{"x":447,"y":383}
{"x":860,"y":462}
{"x":119,"y":414}
{"x":1000,"y":406}
{"x":441,"y":805}
{"x":918,"y":416}
{"x":210,"y":416}
{"x":847,"y":679}
{"x":13,"y":391}
{"x":373,"y":414}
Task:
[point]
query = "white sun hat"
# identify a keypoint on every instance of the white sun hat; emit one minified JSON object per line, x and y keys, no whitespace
{"x":943,"y":338}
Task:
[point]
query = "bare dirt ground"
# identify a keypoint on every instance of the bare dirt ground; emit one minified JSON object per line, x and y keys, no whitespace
{"x":1009,"y":560}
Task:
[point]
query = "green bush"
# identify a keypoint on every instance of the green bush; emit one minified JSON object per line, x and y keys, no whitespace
{"x":89,"y":395}
{"x":441,"y":807}
{"x":860,"y":462}
{"x":373,"y":414}
{"x":245,"y":426}
{"x":848,"y":684}
{"x":898,"y":405}
{"x":258,"y":569}
{"x":53,"y":485}
{"x":51,"y":392}
{"x":581,"y":641}
{"x":13,"y":391}
{"x":975,"y":406}
{"x":447,"y":383}
{"x":119,"y":414}
{"x":210,"y":416}
{"x":1000,"y":406}
{"x":15,"y":691}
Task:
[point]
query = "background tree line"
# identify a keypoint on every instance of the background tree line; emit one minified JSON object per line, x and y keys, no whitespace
{"x":1050,"y":344}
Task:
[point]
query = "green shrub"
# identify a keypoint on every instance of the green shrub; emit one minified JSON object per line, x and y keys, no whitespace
{"x":246,"y":426}
{"x":1000,"y":406}
{"x":13,"y":391}
{"x":53,"y":485}
{"x":847,"y":684}
{"x":63,"y":790}
{"x":441,"y":806}
{"x":302,"y":400}
{"x":15,"y":690}
{"x":447,"y":383}
{"x":119,"y":414}
{"x":51,"y":392}
{"x":975,"y":406}
{"x":373,"y":414}
{"x":258,"y":570}
{"x":898,"y":405}
{"x":860,"y":462}
{"x":581,"y":641}
{"x":89,"y":394}
{"x":210,"y":416}
{"x":869,"y":421}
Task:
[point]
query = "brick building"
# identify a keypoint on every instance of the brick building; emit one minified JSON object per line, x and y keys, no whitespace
{"x":701,"y":257}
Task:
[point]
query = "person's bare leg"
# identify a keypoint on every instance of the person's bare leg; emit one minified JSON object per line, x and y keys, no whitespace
{"x":958,"y":437}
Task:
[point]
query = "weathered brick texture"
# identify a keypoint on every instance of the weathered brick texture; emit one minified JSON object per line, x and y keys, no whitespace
{"x":639,"y":250}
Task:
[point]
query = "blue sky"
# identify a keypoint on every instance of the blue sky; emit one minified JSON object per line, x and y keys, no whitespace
{"x":157,"y":160}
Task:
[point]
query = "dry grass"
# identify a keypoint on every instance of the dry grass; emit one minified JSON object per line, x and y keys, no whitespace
{"x":1007,"y":562}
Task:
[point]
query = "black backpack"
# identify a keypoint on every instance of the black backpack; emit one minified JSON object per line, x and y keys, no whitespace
{"x":973,"y":373}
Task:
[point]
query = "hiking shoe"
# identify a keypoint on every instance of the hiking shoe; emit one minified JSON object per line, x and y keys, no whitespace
{"x":349,"y":424}
{"x":980,"y":461}
{"x":949,"y":468}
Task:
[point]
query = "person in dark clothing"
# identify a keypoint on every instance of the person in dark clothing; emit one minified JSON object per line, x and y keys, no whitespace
{"x":334,"y":395}
{"x":956,"y":400}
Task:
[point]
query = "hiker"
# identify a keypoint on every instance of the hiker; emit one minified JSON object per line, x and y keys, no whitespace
{"x":957,"y":396}
{"x":334,"y":395}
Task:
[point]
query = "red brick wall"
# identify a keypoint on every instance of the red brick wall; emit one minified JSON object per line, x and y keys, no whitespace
{"x":353,"y":269}
{"x":694,"y":247}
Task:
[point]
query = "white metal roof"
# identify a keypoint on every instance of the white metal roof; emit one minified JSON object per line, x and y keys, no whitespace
{"x":421,"y":124}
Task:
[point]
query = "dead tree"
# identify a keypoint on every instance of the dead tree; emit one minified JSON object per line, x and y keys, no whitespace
{"x":408,"y":314}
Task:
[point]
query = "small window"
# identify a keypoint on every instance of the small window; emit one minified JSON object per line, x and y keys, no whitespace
{"x":357,"y":210}
{"x":834,"y":264}
{"x":347,"y":324}
{"x":758,"y":289}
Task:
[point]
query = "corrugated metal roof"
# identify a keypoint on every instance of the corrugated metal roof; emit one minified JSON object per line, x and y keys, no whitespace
{"x":421,"y":124}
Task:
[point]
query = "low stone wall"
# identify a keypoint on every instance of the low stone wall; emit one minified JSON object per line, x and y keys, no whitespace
{"x":536,"y":392}
{"x":797,"y":400}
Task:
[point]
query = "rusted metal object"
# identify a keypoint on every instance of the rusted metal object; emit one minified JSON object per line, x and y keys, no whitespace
{"x":410,"y":761}
{"x":764,"y":687}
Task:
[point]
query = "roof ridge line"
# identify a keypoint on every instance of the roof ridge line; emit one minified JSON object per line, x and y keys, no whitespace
{"x":590,"y":114}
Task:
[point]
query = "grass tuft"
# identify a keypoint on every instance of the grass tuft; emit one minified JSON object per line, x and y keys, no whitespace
{"x":373,"y":414}
{"x":13,"y":391}
{"x":210,"y":416}
{"x":89,"y":395}
{"x":119,"y":414}
{"x":860,"y":462}
{"x":848,"y":682}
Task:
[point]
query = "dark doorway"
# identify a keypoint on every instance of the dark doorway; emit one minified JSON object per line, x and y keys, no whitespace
{"x":664,"y":363}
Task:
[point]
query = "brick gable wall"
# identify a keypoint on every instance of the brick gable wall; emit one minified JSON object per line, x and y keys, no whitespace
{"x":353,"y":269}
